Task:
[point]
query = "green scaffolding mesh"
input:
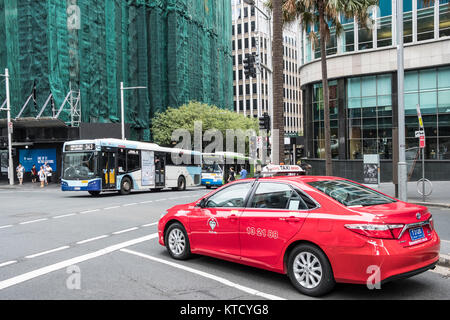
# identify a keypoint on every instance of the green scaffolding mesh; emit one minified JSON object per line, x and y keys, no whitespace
{"x":179,"y":49}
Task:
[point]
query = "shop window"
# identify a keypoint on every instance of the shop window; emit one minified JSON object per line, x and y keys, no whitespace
{"x":444,"y":18}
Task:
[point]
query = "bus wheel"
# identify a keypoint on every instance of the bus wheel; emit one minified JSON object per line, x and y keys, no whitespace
{"x":125,"y":186}
{"x":181,"y":183}
{"x":94,"y":193}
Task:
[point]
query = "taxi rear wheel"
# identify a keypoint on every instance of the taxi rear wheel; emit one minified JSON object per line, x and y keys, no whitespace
{"x":310,"y":271}
{"x":177,"y":242}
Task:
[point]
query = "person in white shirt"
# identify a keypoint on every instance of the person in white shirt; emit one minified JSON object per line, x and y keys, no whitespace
{"x":48,"y":173}
{"x":20,"y":171}
{"x":42,"y":176}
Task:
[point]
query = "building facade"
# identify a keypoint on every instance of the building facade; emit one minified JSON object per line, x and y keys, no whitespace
{"x":362,"y":71}
{"x":251,"y":34}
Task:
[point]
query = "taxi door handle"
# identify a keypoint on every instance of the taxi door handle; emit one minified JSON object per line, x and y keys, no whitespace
{"x":233,"y":217}
{"x":291,"y":219}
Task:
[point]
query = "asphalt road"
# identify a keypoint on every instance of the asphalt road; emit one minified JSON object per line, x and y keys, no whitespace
{"x":56,"y":245}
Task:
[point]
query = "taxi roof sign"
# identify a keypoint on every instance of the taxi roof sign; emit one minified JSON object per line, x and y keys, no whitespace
{"x":281,"y":170}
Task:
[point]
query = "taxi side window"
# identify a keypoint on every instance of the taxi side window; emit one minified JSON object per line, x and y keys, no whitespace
{"x":232,"y":196}
{"x":305,"y":202}
{"x":271,"y":196}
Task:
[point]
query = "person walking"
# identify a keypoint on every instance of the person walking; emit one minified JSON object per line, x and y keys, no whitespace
{"x":42,"y":176}
{"x":243,"y":173}
{"x":232,"y":175}
{"x":48,"y":173}
{"x":34,"y":174}
{"x":20,"y":171}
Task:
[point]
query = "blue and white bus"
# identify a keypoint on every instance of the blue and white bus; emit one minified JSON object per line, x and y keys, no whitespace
{"x":122,"y":165}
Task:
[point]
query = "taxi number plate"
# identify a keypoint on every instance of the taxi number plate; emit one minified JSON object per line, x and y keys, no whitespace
{"x":416,"y":234}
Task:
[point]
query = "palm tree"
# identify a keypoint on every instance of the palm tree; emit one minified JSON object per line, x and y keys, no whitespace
{"x":278,"y":78}
{"x":324,"y":14}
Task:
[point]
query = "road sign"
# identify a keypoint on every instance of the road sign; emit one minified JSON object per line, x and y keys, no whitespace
{"x":419,"y":133}
{"x":422,"y":142}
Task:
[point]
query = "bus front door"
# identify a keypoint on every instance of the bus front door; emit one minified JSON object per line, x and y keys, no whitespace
{"x":108,"y":167}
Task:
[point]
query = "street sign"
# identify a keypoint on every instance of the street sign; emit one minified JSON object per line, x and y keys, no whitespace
{"x":419,"y":116}
{"x":422,"y":142}
{"x":371,"y":167}
{"x":419,"y":133}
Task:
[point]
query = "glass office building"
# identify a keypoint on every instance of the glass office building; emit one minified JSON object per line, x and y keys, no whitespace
{"x":362,"y":70}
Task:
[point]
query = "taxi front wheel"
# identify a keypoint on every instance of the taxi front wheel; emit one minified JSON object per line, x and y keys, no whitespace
{"x":177,"y":242}
{"x":310,"y":271}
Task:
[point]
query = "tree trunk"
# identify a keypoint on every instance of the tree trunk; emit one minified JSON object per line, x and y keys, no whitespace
{"x":278,"y":79}
{"x":326,"y":91}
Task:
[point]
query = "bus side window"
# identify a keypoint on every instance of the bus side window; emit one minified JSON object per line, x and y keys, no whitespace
{"x":133,"y":160}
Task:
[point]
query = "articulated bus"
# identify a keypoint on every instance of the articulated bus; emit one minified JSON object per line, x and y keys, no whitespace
{"x":216,"y":167}
{"x":122,"y":165}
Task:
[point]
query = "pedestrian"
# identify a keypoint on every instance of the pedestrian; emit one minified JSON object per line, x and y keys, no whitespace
{"x":231,"y":176}
{"x":42,"y":176}
{"x":34,"y":174}
{"x":20,"y":171}
{"x":48,"y":173}
{"x":243,"y":173}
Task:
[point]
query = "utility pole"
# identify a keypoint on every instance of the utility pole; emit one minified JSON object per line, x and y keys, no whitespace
{"x":122,"y":106}
{"x":402,"y":174}
{"x":8,"y":112}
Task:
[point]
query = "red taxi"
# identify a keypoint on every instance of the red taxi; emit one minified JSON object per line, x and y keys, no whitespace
{"x":317,"y":230}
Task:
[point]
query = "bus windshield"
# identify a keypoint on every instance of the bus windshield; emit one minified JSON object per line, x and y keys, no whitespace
{"x":211,"y":168}
{"x":79,"y":166}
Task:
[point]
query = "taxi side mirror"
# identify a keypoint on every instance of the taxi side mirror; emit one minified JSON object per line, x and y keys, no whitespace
{"x":202,"y":203}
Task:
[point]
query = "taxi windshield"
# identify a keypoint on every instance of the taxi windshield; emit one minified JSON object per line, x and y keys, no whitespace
{"x":350,"y":194}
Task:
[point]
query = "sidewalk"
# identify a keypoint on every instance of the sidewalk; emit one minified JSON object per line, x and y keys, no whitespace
{"x":27,"y":186}
{"x":440,"y":197}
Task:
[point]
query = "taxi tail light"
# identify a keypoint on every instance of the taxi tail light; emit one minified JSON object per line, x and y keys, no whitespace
{"x":379,"y":231}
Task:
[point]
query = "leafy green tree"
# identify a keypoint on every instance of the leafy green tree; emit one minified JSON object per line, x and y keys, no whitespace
{"x":184,"y":117}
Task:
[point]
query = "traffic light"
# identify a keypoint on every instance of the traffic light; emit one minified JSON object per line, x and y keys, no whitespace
{"x":249,"y":66}
{"x":264,"y":122}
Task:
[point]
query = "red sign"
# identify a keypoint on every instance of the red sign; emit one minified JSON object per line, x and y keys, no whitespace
{"x":422,"y":141}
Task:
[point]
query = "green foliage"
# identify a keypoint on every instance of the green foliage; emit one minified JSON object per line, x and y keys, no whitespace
{"x":212,"y":117}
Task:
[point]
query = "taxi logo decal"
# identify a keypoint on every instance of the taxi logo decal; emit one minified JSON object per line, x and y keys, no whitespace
{"x":213,"y":223}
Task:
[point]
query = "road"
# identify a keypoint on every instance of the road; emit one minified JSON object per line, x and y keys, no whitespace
{"x":56,"y":245}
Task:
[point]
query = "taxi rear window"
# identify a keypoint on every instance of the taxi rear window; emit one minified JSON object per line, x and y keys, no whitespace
{"x":350,"y":194}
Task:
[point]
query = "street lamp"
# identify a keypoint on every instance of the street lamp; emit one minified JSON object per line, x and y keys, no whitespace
{"x":402,"y":170}
{"x":122,"y":106}
{"x":9,"y":127}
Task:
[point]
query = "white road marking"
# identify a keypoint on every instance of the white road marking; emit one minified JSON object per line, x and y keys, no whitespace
{"x":7,"y":226}
{"x":46,"y":252}
{"x":149,"y":201}
{"x":33,"y":221}
{"x":89,"y":211}
{"x":149,"y":224}
{"x":126,"y":230}
{"x":130,"y":204}
{"x":64,"y":215}
{"x":66,"y":263}
{"x":93,"y":239}
{"x":446,"y":241}
{"x":206,"y":275}
{"x":7,"y":263}
{"x":110,"y":208}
